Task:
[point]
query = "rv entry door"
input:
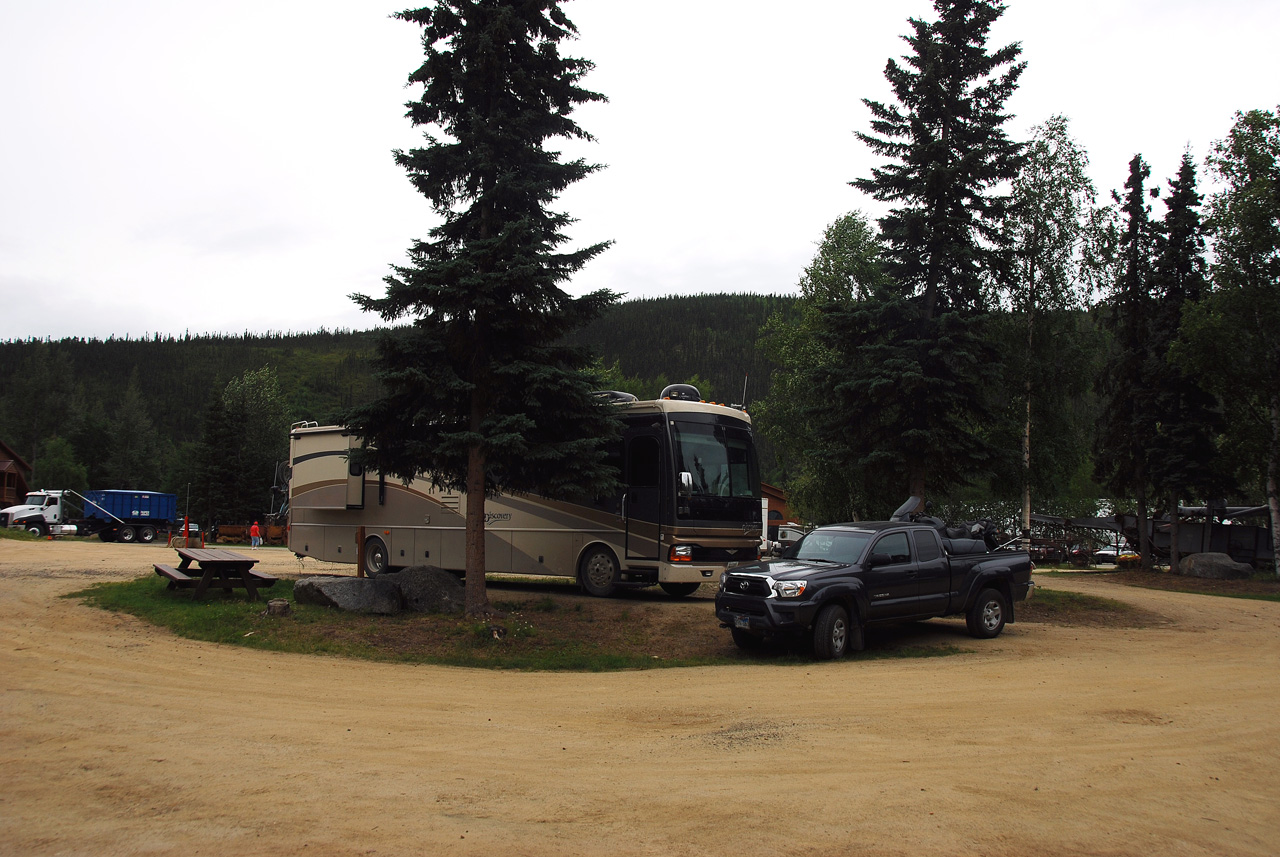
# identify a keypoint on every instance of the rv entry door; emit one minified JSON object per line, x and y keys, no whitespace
{"x":642,"y":504}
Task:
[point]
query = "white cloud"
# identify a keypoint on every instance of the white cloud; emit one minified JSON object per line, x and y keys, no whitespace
{"x":228,"y":167}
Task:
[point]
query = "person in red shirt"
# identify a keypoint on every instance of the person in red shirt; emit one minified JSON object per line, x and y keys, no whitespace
{"x":255,"y":535}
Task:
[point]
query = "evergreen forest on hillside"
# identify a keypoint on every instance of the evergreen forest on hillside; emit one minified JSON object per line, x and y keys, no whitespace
{"x":134,"y":413}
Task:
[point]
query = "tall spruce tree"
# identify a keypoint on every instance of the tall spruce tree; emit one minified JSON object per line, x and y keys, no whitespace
{"x":1189,"y":417}
{"x":479,"y":395}
{"x":1235,"y":325}
{"x":913,"y":358}
{"x":1129,"y":419}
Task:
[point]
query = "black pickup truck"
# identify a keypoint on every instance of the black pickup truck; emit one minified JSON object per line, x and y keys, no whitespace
{"x":840,"y":579}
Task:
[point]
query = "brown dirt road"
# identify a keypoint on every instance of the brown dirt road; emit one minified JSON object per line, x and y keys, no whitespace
{"x":117,"y":738}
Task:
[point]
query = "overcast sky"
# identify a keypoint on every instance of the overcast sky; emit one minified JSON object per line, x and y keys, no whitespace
{"x":222,"y":167}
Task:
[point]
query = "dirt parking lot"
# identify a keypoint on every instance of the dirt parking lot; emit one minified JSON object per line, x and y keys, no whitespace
{"x":117,"y":738}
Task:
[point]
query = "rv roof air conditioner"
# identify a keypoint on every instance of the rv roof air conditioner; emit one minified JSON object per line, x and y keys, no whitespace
{"x":681,"y":393}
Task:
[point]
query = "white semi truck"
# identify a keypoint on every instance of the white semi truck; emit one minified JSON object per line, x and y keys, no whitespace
{"x":124,"y":516}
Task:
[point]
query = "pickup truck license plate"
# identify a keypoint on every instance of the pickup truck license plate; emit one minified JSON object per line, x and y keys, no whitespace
{"x":742,"y":621}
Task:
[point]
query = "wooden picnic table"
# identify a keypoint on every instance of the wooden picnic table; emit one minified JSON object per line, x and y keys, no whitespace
{"x":223,"y":568}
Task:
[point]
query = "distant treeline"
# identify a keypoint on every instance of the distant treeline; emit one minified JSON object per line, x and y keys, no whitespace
{"x":60,"y":388}
{"x":712,"y":337}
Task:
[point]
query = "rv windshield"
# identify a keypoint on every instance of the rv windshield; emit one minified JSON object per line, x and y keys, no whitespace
{"x":722,"y":461}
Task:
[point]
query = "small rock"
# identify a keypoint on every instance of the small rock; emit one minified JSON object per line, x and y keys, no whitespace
{"x":427,"y":589}
{"x":356,"y":594}
{"x":1215,"y":566}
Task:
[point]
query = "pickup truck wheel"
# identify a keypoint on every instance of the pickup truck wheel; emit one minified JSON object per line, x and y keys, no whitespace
{"x":147,"y":535}
{"x":125,"y":534}
{"x":831,"y":633}
{"x":598,"y":572}
{"x":679,"y":590}
{"x":745,"y":639}
{"x":987,"y":615}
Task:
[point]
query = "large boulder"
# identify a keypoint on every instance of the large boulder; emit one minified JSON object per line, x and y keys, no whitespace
{"x":1217,"y":566}
{"x":356,"y":594}
{"x":427,"y":589}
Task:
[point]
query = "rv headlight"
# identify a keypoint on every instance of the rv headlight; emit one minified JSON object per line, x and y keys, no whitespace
{"x":790,"y":588}
{"x":681,"y":553}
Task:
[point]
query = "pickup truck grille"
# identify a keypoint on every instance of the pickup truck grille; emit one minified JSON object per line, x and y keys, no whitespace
{"x":747,"y":584}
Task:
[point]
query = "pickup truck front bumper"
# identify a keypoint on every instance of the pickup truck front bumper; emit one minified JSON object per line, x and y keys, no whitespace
{"x":764,"y":616}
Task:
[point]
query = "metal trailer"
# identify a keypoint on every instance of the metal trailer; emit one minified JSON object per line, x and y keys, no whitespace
{"x":128,"y":516}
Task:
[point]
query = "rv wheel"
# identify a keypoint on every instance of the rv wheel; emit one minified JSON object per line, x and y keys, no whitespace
{"x":375,"y":557}
{"x":598,"y":572}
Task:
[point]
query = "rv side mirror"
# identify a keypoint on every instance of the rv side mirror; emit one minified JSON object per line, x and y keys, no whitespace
{"x":686,"y":484}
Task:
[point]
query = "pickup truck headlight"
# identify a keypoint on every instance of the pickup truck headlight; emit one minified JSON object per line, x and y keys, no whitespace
{"x":790,"y":588}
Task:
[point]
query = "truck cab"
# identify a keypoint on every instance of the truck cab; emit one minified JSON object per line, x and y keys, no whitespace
{"x":37,"y":512}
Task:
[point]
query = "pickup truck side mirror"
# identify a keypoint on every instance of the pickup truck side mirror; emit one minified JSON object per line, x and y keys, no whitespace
{"x":877,"y":559}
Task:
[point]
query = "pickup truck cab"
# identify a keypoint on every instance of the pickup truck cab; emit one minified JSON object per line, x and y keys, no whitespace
{"x":840,"y":579}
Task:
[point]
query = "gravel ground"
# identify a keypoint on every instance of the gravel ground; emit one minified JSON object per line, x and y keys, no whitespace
{"x":118,"y":738}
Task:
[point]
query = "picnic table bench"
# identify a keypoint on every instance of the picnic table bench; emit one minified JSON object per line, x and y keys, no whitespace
{"x":223,"y":568}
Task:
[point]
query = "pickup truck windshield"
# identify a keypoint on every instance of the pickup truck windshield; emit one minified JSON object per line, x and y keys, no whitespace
{"x":833,"y":546}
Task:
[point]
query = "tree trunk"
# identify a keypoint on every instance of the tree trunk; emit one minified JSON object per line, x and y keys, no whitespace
{"x":1273,"y":479}
{"x":1144,"y":531}
{"x":1174,"y":556}
{"x":477,"y":597}
{"x":1026,"y":448}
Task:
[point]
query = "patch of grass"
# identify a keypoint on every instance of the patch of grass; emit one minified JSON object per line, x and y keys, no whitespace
{"x":17,"y":535}
{"x":1257,"y":588}
{"x":551,"y":629}
{"x":1075,"y":608}
{"x":569,"y":640}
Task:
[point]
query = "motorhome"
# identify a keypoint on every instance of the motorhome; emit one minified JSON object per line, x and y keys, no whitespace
{"x":688,"y":508}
